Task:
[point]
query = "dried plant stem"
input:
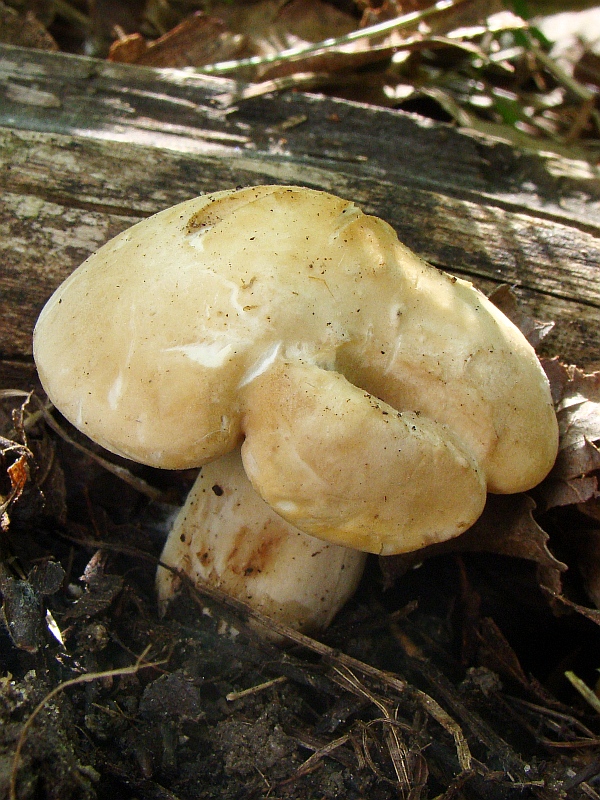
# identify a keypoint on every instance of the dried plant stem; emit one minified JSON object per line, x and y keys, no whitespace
{"x":313,"y":761}
{"x":246,"y":91}
{"x":255,"y":689}
{"x":337,"y":660}
{"x":293,"y":53}
{"x":584,"y":690}
{"x":90,"y":676}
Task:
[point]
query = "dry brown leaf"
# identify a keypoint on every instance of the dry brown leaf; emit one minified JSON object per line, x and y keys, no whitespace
{"x":588,"y":557}
{"x":31,"y":477}
{"x":506,"y":527}
{"x":312,"y":21}
{"x":552,"y":586}
{"x":196,"y":41}
{"x":101,"y":589}
{"x":273,"y":25}
{"x":496,"y":653}
{"x":329,"y":61}
{"x":558,"y":492}
{"x":24,"y":30}
{"x":574,"y":480}
{"x":352,"y":56}
{"x":15,"y":461}
{"x":18,"y":472}
{"x":577,"y":400}
{"x":533,"y":330}
{"x":128,"y":49}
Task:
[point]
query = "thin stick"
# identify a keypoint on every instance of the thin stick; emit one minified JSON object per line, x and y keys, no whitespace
{"x":255,"y":689}
{"x":335,"y":658}
{"x":139,"y":484}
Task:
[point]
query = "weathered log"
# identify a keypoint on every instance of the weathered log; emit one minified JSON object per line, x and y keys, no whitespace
{"x":87,"y":148}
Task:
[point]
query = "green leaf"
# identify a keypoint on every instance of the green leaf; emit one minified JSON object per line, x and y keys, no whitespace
{"x":521,"y":7}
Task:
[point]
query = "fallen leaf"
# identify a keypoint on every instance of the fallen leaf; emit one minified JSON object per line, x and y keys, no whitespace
{"x":496,"y":654}
{"x":506,"y":527}
{"x":551,"y":584}
{"x":587,"y":547}
{"x":576,"y":395}
{"x":196,"y":41}
{"x":14,"y":460}
{"x":18,"y":472}
{"x":533,"y":330}
{"x":571,"y":492}
{"x":24,"y":30}
{"x":101,"y":589}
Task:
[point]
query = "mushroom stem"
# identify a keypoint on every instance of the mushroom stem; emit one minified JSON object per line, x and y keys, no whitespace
{"x":227,"y":535}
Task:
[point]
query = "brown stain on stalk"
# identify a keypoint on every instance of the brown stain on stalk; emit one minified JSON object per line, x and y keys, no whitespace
{"x":253,"y":553}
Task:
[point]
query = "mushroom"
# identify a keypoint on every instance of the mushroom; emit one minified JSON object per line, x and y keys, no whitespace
{"x":227,"y":535}
{"x":372,"y":399}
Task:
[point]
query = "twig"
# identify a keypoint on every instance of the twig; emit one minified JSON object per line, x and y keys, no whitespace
{"x":315,"y":759}
{"x":43,"y":412}
{"x":336,"y":659}
{"x":246,"y":91}
{"x":255,"y":689}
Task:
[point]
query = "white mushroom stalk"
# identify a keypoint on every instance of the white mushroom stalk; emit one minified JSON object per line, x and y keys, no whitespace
{"x":226,"y":535}
{"x":376,"y":399}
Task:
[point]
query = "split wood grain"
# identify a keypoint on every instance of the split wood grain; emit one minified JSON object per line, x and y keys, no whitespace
{"x":88,"y":148}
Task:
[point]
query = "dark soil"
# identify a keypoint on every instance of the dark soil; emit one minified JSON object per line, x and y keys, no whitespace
{"x":465,"y":645}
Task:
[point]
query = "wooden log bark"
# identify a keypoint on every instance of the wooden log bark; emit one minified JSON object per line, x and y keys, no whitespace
{"x":88,"y":148}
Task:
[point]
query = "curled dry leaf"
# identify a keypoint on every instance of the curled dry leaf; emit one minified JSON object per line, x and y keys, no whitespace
{"x":31,"y":477}
{"x":506,"y":527}
{"x":14,"y":462}
{"x":197,"y":40}
{"x":576,"y":397}
{"x":101,"y":589}
{"x":573,"y":480}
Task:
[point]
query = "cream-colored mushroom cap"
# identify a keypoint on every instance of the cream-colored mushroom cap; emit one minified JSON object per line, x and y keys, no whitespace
{"x":377,"y":398}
